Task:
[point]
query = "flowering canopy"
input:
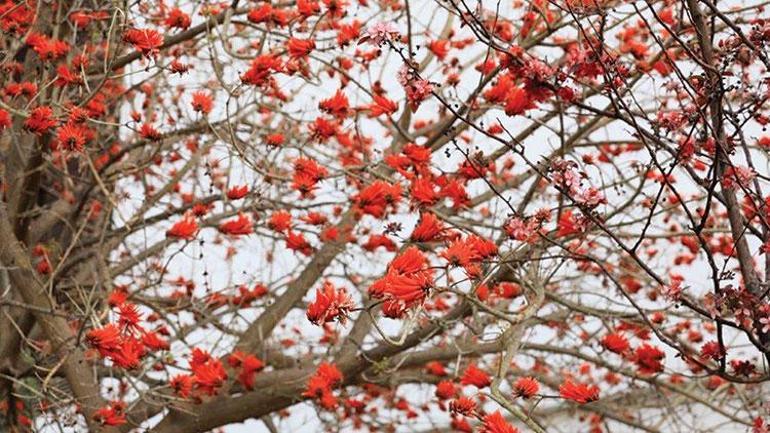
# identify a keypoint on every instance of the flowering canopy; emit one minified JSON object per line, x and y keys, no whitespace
{"x":346,"y":215}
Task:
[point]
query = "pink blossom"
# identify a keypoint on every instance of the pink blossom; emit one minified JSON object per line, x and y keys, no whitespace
{"x":416,"y":88}
{"x":381,"y":32}
{"x":673,"y":291}
{"x":737,"y":175}
{"x":591,"y":197}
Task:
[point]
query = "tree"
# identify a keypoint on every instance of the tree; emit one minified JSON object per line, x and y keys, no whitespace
{"x":384,"y":215}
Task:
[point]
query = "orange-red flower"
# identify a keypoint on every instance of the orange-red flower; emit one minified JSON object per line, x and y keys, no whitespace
{"x":300,"y":48}
{"x":405,"y":285}
{"x":280,"y":221}
{"x":526,"y":387}
{"x":615,"y":342}
{"x":476,"y":377}
{"x":296,"y":242}
{"x":262,"y":67}
{"x":330,"y":304}
{"x":202,"y":102}
{"x":72,"y":136}
{"x":495,"y":423}
{"x":111,"y":415}
{"x":469,"y":252}
{"x":462,"y":406}
{"x":106,"y":339}
{"x":307,"y":174}
{"x":337,"y":105}
{"x":377,"y":241}
{"x":249,"y":364}
{"x":239,"y":226}
{"x":40,"y":120}
{"x":579,"y":392}
{"x":208,"y":374}
{"x":129,"y":316}
{"x":445,"y":390}
{"x":186,"y":228}
{"x":5,"y":119}
{"x":375,"y":198}
{"x":237,"y":192}
{"x":321,"y":384}
{"x":428,"y":229}
{"x":176,"y":18}
{"x":648,"y":359}
{"x":182,"y":385}
{"x":146,"y":41}
{"x":381,"y":105}
{"x":46,"y":48}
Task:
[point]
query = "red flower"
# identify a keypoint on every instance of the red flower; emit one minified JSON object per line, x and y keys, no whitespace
{"x":240,"y":226}
{"x":422,"y":192}
{"x":148,"y":132}
{"x":375,"y":198}
{"x":208,"y":372}
{"x":307,"y":174}
{"x":111,"y":415}
{"x":129,"y":355}
{"x":469,"y":252}
{"x":495,"y":423}
{"x":445,"y":390}
{"x":308,"y":8}
{"x":5,"y":119}
{"x":297,"y":242}
{"x":436,"y":368}
{"x":382,"y":105}
{"x":300,"y":48}
{"x":202,"y":102}
{"x":526,"y":387}
{"x":321,"y":383}
{"x":186,"y":228}
{"x":280,"y":221}
{"x":237,"y":192}
{"x":324,"y":129}
{"x":337,"y":105}
{"x":648,"y":359}
{"x":428,"y":229}
{"x":330,"y":304}
{"x":518,"y":101}
{"x":177,"y":18}
{"x":580,"y":392}
{"x":439,"y":48}
{"x":147,"y":41}
{"x":40,"y":120}
{"x":72,"y":136}
{"x":274,"y":140}
{"x":712,"y":350}
{"x":348,"y":32}
{"x":67,"y":77}
{"x":460,"y":424}
{"x":153,"y":341}
{"x":455,"y":191}
{"x":463,"y":406}
{"x":261,"y":70}
{"x":182,"y":385}
{"x":250,"y":366}
{"x":47,"y":49}
{"x":129,"y":316}
{"x":106,"y":339}
{"x":476,"y":377}
{"x":405,"y":285}
{"x":377,"y":241}
{"x":615,"y":342}
{"x":260,"y":14}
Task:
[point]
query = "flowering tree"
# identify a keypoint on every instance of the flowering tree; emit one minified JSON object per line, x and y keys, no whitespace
{"x":384,"y":215}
